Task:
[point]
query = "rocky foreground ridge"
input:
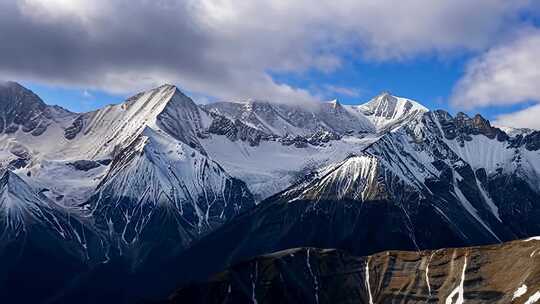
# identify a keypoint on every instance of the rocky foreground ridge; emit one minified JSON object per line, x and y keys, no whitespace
{"x":506,"y":273}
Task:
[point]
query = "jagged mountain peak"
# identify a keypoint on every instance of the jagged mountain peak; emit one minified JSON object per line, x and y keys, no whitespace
{"x":387,"y":111}
{"x":355,"y":178}
{"x":388,"y":105}
{"x":335,"y":103}
{"x":163,"y":108}
{"x":13,"y":95}
{"x":157,"y":97}
{"x":279,"y":120}
{"x":462,"y":126}
{"x":168,"y":85}
{"x":20,"y":108}
{"x":11,"y":85}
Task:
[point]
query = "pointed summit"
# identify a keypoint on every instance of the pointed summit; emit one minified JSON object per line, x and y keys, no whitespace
{"x":12,"y":94}
{"x":384,"y":94}
{"x":335,"y":103}
{"x":163,"y":108}
{"x":20,"y":108}
{"x":389,"y":111}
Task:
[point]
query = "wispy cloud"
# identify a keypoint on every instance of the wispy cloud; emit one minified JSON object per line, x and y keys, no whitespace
{"x":506,"y":74}
{"x":527,"y":118}
{"x":343,"y":91}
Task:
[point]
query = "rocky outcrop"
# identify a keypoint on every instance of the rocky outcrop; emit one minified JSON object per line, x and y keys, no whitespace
{"x":21,"y":109}
{"x":84,"y":165}
{"x":508,"y":273}
{"x":236,"y":130}
{"x":75,"y":128}
{"x":461,"y":127}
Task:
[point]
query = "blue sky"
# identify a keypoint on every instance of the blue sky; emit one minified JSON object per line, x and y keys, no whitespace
{"x":427,"y":80}
{"x":458,"y":55}
{"x":74,"y":99}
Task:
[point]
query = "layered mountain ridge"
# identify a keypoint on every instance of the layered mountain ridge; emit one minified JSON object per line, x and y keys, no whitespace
{"x":506,"y":273}
{"x":160,"y":184}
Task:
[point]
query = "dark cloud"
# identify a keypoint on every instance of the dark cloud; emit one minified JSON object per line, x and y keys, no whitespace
{"x":64,"y":49}
{"x":227,"y":48}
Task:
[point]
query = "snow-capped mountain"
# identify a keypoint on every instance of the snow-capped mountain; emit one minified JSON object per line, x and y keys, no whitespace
{"x":292,"y":121}
{"x":386,"y":111}
{"x":22,"y":110}
{"x":437,"y":181}
{"x":159,"y":183}
{"x":297,"y":138}
{"x":135,"y":173}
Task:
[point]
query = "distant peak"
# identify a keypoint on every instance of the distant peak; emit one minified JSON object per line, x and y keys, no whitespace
{"x":387,"y":99}
{"x":335,"y":103}
{"x":167,"y":86}
{"x":13,"y":86}
{"x":462,"y":115}
{"x":385,"y":94}
{"x":388,"y":111}
{"x":168,"y":93}
{"x":16,"y":97}
{"x":10,"y":83}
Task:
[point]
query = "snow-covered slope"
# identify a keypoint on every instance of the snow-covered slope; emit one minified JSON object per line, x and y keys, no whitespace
{"x":161,"y":183}
{"x":283,"y":120}
{"x":387,"y":112}
{"x":271,"y":166}
{"x":96,"y":135}
{"x":131,"y":167}
{"x":356,"y":178}
{"x":271,"y":146}
{"x":27,"y":214}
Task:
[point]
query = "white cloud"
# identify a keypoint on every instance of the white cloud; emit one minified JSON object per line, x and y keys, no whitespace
{"x":507,"y":74}
{"x":527,"y":118}
{"x":228,"y":49}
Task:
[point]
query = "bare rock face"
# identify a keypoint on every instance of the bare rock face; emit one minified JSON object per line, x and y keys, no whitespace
{"x":531,"y":141}
{"x":21,"y":109}
{"x":508,"y":273}
{"x":237,"y":130}
{"x":462,"y":127}
{"x":292,"y":125}
{"x":75,"y":128}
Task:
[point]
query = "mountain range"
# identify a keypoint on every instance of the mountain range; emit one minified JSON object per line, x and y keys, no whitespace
{"x":134,"y":200}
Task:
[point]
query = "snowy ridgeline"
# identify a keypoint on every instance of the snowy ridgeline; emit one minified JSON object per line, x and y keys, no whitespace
{"x":159,"y":150}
